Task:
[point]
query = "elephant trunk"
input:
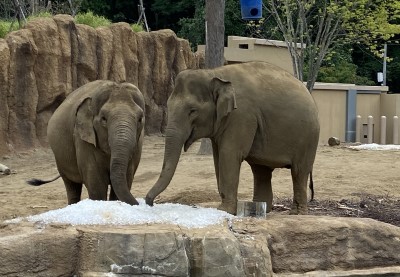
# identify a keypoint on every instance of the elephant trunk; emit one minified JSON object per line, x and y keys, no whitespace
{"x":174,"y":141}
{"x":122,"y":141}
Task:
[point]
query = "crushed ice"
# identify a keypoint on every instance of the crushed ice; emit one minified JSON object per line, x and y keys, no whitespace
{"x":374,"y":146}
{"x":90,"y":212}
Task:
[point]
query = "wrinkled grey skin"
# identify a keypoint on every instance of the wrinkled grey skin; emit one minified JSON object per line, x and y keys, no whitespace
{"x":96,"y":135}
{"x":255,"y":112}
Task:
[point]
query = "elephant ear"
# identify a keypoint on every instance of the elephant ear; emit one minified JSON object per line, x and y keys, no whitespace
{"x":224,"y":97}
{"x":84,"y":121}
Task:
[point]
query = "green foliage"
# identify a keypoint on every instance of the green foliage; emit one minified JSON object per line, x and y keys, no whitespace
{"x":89,"y":18}
{"x":169,"y":7}
{"x":193,"y":28}
{"x":368,"y":65}
{"x":137,"y":27}
{"x":100,"y":7}
{"x":369,"y":22}
{"x":39,"y":15}
{"x":343,"y":72}
{"x":318,"y":26}
{"x":5,"y":27}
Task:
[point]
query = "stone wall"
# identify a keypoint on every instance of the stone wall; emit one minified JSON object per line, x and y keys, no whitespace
{"x":41,"y":64}
{"x":279,"y":246}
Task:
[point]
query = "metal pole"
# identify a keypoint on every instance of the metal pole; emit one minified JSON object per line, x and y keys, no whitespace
{"x":384,"y":64}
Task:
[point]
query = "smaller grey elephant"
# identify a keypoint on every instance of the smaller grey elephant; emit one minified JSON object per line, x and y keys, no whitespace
{"x":96,"y":135}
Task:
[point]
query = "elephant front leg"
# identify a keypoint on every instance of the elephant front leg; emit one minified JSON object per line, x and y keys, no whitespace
{"x":262,"y":184}
{"x":96,"y":180}
{"x":74,"y":190}
{"x":229,"y":171}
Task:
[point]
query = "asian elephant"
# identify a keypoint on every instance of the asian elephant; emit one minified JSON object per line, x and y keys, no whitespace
{"x":253,"y":111}
{"x":96,"y":135}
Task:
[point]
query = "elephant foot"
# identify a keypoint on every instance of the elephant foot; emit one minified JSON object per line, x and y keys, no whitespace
{"x":298,"y":209}
{"x":149,"y":201}
{"x":228,"y":207}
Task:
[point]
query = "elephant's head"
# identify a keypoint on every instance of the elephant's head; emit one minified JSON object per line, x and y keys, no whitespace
{"x":196,"y":109}
{"x":112,"y":120}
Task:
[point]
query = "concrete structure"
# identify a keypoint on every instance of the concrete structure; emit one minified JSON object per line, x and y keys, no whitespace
{"x":338,"y":104}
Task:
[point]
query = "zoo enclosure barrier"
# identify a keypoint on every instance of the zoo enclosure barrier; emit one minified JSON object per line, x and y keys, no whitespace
{"x":365,"y":132}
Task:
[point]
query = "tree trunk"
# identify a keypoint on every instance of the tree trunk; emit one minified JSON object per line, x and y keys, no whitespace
{"x":214,"y":56}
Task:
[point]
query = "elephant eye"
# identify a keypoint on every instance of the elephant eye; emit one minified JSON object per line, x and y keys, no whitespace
{"x":103,"y":120}
{"x":192,"y":111}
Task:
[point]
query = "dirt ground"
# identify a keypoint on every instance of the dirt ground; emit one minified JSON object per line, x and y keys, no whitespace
{"x":347,"y":182}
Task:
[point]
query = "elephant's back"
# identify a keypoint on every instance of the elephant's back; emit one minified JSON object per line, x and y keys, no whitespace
{"x":282,"y":105}
{"x":269,"y":87}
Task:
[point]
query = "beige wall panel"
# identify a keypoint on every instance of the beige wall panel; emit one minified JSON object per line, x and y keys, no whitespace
{"x":369,"y":104}
{"x":332,"y":113}
{"x":390,"y":106}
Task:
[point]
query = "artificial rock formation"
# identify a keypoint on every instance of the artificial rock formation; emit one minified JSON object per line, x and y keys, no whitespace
{"x":51,"y":57}
{"x":279,"y":245}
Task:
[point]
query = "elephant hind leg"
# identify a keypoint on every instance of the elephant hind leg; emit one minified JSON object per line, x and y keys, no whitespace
{"x":299,"y":178}
{"x":74,"y":191}
{"x":262,"y":184}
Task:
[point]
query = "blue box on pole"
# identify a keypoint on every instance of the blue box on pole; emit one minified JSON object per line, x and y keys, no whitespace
{"x":251,"y":9}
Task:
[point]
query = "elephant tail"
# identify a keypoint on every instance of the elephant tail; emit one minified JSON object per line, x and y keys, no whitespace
{"x":311,"y":186}
{"x":39,"y":182}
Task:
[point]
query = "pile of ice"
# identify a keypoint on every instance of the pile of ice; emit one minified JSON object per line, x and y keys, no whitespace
{"x":374,"y":146}
{"x":90,"y":212}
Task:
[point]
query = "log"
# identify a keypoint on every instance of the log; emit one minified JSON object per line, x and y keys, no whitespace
{"x":252,"y":209}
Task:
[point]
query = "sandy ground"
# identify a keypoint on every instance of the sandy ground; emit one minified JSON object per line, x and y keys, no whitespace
{"x":340,"y":174}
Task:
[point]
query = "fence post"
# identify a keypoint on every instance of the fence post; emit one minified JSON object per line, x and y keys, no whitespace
{"x":358,"y":128}
{"x":383,"y":130}
{"x":370,"y":128}
{"x":395,"y":129}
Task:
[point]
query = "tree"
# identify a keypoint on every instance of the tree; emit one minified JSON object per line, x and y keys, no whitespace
{"x":312,"y":28}
{"x":192,"y":28}
{"x":214,"y":56}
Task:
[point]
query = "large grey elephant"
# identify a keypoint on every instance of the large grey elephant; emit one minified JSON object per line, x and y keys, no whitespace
{"x":96,"y":135}
{"x":255,"y":112}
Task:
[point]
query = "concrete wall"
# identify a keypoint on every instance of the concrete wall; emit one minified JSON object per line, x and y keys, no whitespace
{"x":271,"y":51}
{"x":390,"y":107}
{"x":244,"y":49}
{"x":339,"y":105}
{"x":332,"y":113}
{"x":369,"y":104}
